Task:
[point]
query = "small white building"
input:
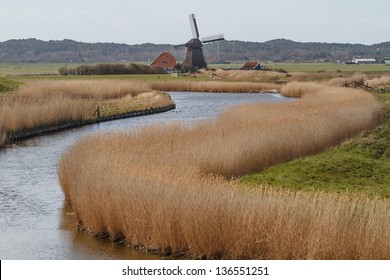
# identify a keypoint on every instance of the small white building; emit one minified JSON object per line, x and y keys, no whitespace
{"x":364,"y":61}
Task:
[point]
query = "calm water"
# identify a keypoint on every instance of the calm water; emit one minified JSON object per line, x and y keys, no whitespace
{"x":35,"y":223}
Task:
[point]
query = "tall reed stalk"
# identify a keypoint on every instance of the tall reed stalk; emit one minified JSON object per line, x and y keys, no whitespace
{"x":166,"y":188}
{"x":40,"y":104}
{"x":213,"y":86}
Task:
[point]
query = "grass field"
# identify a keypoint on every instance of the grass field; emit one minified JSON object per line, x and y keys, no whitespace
{"x":7,"y":85}
{"x":16,"y":69}
{"x":330,"y":67}
{"x":316,"y":67}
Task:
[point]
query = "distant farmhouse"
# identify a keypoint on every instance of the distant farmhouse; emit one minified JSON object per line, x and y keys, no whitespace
{"x":165,"y":61}
{"x":251,"y":65}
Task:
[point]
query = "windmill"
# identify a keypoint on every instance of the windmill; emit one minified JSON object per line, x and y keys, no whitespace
{"x":194,"y":53}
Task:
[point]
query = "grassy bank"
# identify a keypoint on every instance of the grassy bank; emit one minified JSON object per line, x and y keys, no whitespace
{"x":359,"y":165}
{"x":7,"y":85}
{"x":168,"y":189}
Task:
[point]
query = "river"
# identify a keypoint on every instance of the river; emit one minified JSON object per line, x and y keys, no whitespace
{"x":36,"y":223}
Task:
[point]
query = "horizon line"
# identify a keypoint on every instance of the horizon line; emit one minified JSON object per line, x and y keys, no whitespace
{"x":130,"y":44}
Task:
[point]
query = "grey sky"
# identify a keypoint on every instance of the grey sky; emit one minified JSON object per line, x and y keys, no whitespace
{"x":141,"y":21}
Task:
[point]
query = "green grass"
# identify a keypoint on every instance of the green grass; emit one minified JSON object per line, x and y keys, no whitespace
{"x":35,"y":71}
{"x":38,"y":71}
{"x":11,"y":69}
{"x":7,"y":85}
{"x":330,"y":67}
{"x":18,"y":69}
{"x":361,"y":165}
{"x":316,"y":67}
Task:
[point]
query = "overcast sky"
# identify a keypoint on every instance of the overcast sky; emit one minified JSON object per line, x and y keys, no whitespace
{"x":159,"y":21}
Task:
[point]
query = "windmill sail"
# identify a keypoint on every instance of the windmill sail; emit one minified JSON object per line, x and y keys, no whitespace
{"x":208,"y":39}
{"x":194,"y":26}
{"x":194,"y":58}
{"x":179,"y":46}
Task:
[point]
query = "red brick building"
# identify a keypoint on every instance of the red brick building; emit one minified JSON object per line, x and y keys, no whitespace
{"x":165,"y":61}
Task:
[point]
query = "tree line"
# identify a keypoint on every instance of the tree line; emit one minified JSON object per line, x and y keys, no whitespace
{"x":279,"y":50}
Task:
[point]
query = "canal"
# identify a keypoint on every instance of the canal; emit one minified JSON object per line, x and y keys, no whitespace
{"x":36,"y":223}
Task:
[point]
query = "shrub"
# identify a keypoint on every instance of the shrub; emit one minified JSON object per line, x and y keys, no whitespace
{"x":110,"y":69}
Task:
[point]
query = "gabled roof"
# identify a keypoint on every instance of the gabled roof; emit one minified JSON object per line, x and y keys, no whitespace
{"x":165,"y":60}
{"x":251,"y":65}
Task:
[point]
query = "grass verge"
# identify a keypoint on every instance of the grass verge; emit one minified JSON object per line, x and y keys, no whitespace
{"x":7,"y":85}
{"x":359,"y":165}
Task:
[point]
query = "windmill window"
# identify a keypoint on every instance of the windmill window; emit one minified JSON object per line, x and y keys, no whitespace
{"x":164,"y":62}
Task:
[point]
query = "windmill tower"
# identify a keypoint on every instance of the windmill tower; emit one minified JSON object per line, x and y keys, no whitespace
{"x":194,"y":53}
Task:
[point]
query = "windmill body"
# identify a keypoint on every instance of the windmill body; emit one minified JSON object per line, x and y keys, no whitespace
{"x":194,"y":53}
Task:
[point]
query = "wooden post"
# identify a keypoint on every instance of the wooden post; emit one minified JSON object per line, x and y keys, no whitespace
{"x":97,"y":112}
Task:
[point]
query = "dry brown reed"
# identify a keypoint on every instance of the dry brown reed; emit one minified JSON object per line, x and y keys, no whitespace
{"x":164,"y":188}
{"x":379,"y":81}
{"x":88,"y":89}
{"x":272,"y":76}
{"x":21,"y":112}
{"x":213,"y":86}
{"x":340,"y":81}
{"x":253,"y":76}
{"x":40,"y":104}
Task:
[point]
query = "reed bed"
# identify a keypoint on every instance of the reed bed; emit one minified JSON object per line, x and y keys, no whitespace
{"x":167,"y":188}
{"x":41,"y":104}
{"x":214,"y":86}
{"x":379,"y":81}
{"x":254,"y":76}
{"x":340,"y":81}
{"x":18,"y":113}
{"x":86,"y":89}
{"x":275,"y":76}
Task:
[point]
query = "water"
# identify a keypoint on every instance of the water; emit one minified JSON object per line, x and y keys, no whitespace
{"x":36,"y":223}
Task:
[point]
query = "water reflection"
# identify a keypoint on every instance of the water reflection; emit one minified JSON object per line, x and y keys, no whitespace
{"x":84,"y":246}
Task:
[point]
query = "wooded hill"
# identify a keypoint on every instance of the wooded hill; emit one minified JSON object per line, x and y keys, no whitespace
{"x":279,"y":50}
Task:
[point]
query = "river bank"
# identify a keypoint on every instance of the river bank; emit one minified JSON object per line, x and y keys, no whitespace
{"x":41,"y":107}
{"x":14,"y":137}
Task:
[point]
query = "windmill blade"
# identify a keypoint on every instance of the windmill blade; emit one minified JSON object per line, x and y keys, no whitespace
{"x":213,"y":38}
{"x":179,"y":46}
{"x":194,"y":26}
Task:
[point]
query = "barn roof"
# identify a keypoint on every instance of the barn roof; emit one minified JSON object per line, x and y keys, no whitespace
{"x":251,"y":65}
{"x":165,"y":60}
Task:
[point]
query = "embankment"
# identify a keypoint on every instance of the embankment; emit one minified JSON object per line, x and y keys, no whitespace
{"x":167,"y":188}
{"x":47,"y":106}
{"x":14,"y":137}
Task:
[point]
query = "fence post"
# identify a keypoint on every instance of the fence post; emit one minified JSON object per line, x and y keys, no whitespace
{"x":97,"y":112}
